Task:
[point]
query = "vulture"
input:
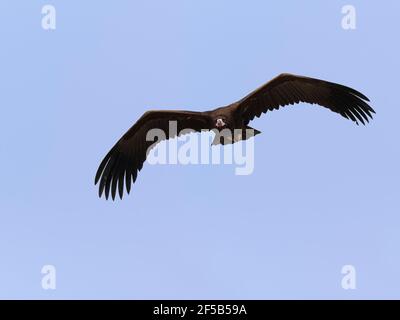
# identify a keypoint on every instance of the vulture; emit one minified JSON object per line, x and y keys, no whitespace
{"x":125,"y":159}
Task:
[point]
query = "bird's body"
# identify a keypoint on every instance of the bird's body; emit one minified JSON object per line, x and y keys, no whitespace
{"x":126,"y":158}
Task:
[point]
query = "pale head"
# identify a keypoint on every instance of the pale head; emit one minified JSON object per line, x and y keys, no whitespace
{"x":220,"y":123}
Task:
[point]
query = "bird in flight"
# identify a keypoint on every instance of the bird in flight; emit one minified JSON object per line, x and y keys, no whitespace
{"x":125,"y":159}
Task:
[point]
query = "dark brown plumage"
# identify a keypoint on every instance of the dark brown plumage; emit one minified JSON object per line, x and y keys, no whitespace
{"x":123,"y":162}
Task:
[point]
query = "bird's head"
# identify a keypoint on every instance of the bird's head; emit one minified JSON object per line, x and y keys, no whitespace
{"x":220,"y":123}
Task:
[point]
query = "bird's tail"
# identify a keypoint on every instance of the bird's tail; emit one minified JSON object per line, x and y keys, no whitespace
{"x":227,"y":136}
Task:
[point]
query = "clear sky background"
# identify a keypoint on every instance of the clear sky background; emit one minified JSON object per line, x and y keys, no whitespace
{"x":324,"y":192}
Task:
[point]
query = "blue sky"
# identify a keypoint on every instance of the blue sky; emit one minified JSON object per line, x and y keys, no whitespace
{"x":324,"y":192}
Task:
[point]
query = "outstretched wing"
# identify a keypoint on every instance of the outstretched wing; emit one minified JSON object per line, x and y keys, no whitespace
{"x":288,"y":89}
{"x":123,"y":162}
